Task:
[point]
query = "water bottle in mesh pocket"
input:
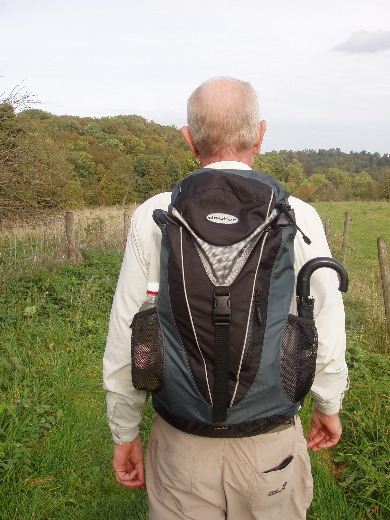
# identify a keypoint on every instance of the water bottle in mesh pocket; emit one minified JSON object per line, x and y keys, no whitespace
{"x":298,"y":356}
{"x":147,"y":354}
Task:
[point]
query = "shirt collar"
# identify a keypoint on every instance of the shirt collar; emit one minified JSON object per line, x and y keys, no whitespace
{"x":228,"y":165}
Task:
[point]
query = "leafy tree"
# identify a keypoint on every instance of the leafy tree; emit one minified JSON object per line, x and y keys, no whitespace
{"x":325,"y":192}
{"x":112,"y":142}
{"x":382,"y":187}
{"x":155,"y":174}
{"x":305,"y":191}
{"x":83,"y":164}
{"x":51,"y":181}
{"x":94,"y":130}
{"x":277,"y":167}
{"x":13,"y":157}
{"x":317,"y":179}
{"x":34,"y":173}
{"x":69,"y":124}
{"x":272,"y":164}
{"x":124,"y":187}
{"x":10,"y":130}
{"x":85,"y":170}
{"x":362,"y":186}
{"x":294,"y":173}
{"x":133,"y":145}
{"x":158,"y":177}
{"x":110,"y":125}
{"x":141,"y":170}
{"x":35,"y":113}
{"x":337,"y":177}
{"x":174,"y":170}
{"x":189,"y":164}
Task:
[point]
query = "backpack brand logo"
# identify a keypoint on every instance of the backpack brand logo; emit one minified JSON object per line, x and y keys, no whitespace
{"x":222,"y":218}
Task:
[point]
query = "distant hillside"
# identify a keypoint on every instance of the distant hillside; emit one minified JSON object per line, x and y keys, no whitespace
{"x":53,"y":162}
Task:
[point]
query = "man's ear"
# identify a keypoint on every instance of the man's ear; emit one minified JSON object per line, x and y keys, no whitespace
{"x":259,"y":137}
{"x":185,"y":132}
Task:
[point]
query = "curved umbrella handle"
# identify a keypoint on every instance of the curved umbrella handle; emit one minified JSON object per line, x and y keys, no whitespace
{"x":303,"y":279}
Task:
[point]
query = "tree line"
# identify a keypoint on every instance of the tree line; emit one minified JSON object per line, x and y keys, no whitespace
{"x":50,"y":162}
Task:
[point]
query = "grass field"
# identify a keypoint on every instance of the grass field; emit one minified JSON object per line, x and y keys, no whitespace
{"x":369,"y":221}
{"x":55,"y":447}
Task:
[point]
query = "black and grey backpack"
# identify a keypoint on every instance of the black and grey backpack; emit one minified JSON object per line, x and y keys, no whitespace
{"x":230,"y":360}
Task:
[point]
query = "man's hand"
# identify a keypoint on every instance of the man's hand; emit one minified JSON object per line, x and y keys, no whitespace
{"x":325,"y":430}
{"x":128,"y":464}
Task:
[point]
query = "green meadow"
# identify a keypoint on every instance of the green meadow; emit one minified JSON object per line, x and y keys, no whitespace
{"x":55,"y":446}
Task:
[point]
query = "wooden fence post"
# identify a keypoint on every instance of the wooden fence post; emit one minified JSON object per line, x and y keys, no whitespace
{"x":70,"y":238}
{"x":327,"y":230}
{"x":345,"y":237}
{"x":385,"y":276}
{"x":126,"y":223}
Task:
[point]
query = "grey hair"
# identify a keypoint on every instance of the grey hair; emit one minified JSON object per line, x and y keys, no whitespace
{"x":223,"y":114}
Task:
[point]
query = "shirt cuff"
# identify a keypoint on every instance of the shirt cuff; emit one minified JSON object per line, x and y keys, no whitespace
{"x":121,"y":435}
{"x":124,"y":416}
{"x":330,"y":406}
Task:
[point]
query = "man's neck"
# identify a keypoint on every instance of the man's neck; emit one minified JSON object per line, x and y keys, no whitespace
{"x":244,"y":157}
{"x":228,"y":165}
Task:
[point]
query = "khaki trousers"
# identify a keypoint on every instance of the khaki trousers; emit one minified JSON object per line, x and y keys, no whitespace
{"x":265,"y":477}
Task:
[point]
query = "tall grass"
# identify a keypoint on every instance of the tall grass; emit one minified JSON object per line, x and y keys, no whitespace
{"x":369,"y":220}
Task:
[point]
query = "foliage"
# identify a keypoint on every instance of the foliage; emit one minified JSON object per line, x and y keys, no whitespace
{"x":272,"y":164}
{"x":49,"y":161}
{"x":34,"y":173}
{"x":329,"y":175}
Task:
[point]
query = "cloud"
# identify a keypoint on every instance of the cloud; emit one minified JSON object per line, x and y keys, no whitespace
{"x":365,"y":41}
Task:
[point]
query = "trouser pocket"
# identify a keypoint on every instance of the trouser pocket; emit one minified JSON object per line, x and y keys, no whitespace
{"x":267,"y":490}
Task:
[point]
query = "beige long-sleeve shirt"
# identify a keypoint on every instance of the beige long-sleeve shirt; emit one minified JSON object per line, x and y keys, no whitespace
{"x":125,"y":403}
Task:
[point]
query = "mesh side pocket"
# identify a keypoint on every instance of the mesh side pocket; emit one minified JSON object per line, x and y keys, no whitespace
{"x":298,"y":356}
{"x":147,"y":354}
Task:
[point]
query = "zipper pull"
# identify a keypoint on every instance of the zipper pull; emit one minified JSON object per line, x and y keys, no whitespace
{"x":286,"y":209}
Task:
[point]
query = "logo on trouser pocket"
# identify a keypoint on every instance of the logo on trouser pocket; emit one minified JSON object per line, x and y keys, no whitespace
{"x":279,"y":490}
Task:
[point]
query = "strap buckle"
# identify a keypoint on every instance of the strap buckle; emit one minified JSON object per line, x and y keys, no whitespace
{"x":222,"y":314}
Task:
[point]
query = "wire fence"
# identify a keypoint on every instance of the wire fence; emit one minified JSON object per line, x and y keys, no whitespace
{"x":26,"y":245}
{"x":47,"y":242}
{"x":370,"y":283}
{"x":29,"y":244}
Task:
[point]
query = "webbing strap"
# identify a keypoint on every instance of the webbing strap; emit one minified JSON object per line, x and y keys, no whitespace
{"x":222,"y":318}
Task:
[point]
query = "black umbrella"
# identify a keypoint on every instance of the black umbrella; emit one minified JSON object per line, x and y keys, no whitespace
{"x":305,"y":303}
{"x":300,"y":339}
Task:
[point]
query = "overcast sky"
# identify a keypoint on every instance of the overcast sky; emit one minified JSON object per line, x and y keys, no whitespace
{"x":321,"y":67}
